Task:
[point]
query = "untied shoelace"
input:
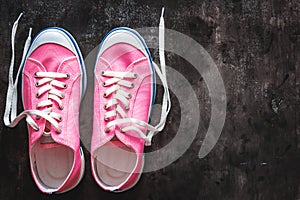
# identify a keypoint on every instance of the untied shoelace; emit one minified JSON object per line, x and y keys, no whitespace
{"x":47,"y":83}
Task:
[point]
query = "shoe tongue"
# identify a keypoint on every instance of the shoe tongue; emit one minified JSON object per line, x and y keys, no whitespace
{"x":47,"y":142}
{"x":116,"y":142}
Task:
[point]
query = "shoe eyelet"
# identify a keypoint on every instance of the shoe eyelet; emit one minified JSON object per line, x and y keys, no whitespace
{"x":60,"y":118}
{"x":105,"y":107}
{"x":106,"y":119}
{"x":37,"y":95}
{"x":132,"y":85}
{"x":126,"y":107}
{"x":104,"y":95}
{"x":102,"y":73}
{"x":61,"y":107}
{"x":122,"y":131}
{"x":37,"y":84}
{"x":106,"y":130}
{"x":35,"y":75}
{"x":62,"y":96}
{"x":58,"y":131}
{"x":37,"y":117}
{"x":65,"y":86}
{"x":103,"y":84}
{"x":68,"y":76}
{"x":129,"y":96}
{"x":135,"y":75}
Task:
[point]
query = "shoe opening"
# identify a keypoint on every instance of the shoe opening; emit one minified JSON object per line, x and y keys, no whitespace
{"x":51,"y":163}
{"x":114,"y":162}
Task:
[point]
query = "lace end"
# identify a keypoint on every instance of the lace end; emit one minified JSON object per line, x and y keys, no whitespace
{"x":148,"y":143}
{"x":162,"y":11}
{"x":21,"y":14}
{"x":30,"y":31}
{"x":148,"y":139}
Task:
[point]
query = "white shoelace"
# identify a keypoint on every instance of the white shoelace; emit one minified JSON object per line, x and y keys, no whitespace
{"x":47,"y":83}
{"x":116,"y":80}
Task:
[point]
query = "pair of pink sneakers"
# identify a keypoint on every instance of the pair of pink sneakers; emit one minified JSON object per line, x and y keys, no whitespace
{"x":53,"y":84}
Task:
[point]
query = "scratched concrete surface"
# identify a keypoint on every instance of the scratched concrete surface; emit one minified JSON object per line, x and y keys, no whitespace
{"x":256,"y":46}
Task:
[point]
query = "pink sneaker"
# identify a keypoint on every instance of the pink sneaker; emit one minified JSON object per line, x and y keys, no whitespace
{"x":124,"y":91}
{"x":53,"y":83}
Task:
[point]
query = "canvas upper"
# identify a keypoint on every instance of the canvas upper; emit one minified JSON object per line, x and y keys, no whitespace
{"x":117,"y":155}
{"x":124,"y":91}
{"x":53,"y":83}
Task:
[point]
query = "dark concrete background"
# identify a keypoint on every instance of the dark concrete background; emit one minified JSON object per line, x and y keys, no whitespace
{"x":255,"y":45}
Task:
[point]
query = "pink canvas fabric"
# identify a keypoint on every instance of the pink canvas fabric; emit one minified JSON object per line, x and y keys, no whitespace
{"x":124,"y":91}
{"x":53,"y":83}
{"x":51,"y":57}
{"x":129,"y":54}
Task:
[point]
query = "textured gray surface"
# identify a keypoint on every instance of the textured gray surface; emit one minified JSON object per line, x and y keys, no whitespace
{"x":255,"y":45}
